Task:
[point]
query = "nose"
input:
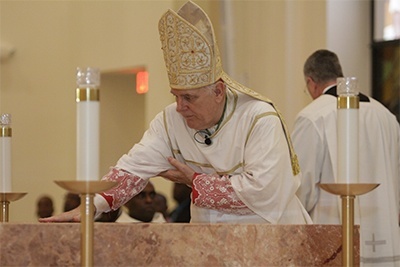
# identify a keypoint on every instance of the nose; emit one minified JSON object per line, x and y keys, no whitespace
{"x":180,"y":105}
{"x":148,"y":198}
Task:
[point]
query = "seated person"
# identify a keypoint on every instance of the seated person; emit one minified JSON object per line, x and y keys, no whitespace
{"x":181,"y":193}
{"x":71,"y":201}
{"x":44,"y":207}
{"x":141,"y":208}
{"x":161,"y":205}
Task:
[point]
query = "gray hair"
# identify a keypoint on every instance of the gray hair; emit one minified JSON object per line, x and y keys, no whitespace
{"x":323,"y":66}
{"x":211,"y":87}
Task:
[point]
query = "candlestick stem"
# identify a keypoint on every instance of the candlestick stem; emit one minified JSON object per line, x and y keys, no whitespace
{"x":86,"y":190}
{"x":348,"y":193}
{"x":347,"y":230}
{"x":5,"y":199}
{"x":4,"y":211}
{"x":87,"y":225}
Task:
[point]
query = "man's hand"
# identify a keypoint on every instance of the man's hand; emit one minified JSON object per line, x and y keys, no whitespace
{"x":182,"y":175}
{"x":69,"y":216}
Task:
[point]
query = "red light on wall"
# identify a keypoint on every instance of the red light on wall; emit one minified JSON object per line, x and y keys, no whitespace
{"x":142,"y":82}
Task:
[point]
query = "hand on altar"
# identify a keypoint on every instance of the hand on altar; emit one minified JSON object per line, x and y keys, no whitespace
{"x":69,"y":216}
{"x":183,"y":174}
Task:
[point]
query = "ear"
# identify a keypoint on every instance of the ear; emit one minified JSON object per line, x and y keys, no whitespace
{"x":219,"y":90}
{"x":309,"y":80}
{"x":311,"y":85}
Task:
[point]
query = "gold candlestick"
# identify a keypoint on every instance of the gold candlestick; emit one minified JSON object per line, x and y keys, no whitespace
{"x":6,"y":198}
{"x":86,"y":190}
{"x":348,"y":193}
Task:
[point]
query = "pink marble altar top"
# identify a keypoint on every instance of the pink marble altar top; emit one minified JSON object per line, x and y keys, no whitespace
{"x":169,"y":244}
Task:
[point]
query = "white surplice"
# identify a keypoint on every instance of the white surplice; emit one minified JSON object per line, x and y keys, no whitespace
{"x":246,"y":174}
{"x":315,"y":142}
{"x":125,"y":218}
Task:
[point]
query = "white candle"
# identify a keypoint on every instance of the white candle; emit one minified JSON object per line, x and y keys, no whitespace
{"x":5,"y":153}
{"x":347,"y":127}
{"x":88,"y":110}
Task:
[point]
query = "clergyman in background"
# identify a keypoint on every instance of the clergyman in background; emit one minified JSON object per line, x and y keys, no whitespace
{"x":315,"y":142}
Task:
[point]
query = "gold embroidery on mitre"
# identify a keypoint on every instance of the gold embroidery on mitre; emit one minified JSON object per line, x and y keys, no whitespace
{"x":190,"y":50}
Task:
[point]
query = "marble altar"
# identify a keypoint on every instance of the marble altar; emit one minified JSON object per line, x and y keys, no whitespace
{"x":119,"y":244}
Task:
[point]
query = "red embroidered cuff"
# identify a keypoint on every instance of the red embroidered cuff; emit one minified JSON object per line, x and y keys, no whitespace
{"x":195,"y":193}
{"x":108,"y":198}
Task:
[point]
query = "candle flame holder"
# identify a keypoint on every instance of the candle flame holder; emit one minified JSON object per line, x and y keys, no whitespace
{"x":348,"y":193}
{"x":6,"y":198}
{"x":86,"y":190}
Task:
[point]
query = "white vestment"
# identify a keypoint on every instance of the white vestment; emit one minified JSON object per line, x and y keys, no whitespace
{"x":249,"y":150}
{"x":314,"y":140}
{"x":125,"y":218}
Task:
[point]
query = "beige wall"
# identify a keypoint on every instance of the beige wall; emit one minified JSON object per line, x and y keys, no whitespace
{"x":271,"y":40}
{"x":52,"y":38}
{"x":268,"y":42}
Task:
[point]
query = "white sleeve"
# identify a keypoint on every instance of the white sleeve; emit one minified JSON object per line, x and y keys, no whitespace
{"x":101,"y":205}
{"x":309,"y":148}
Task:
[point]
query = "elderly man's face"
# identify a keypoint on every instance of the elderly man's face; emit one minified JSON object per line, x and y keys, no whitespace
{"x":202,"y":107}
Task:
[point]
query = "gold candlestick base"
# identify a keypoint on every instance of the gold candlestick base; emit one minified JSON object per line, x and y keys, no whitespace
{"x":348,"y":193}
{"x":6,"y":198}
{"x":86,"y":190}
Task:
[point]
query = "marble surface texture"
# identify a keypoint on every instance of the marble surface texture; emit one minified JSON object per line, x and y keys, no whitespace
{"x":171,"y":244}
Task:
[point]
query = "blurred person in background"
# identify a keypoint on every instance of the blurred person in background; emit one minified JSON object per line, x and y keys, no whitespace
{"x":181,"y":193}
{"x":45,"y":207}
